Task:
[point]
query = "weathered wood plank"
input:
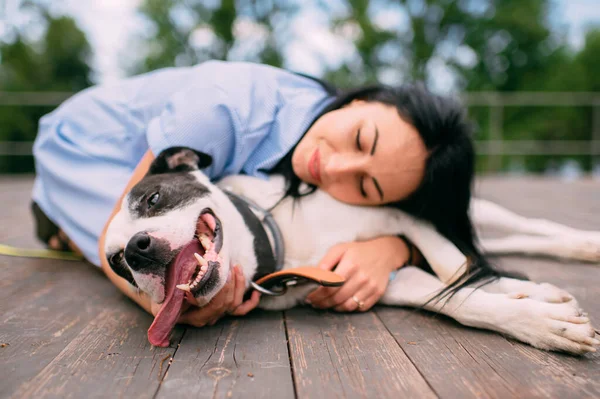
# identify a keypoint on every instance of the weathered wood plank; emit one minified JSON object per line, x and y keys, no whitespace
{"x":239,"y":358}
{"x":44,"y":313}
{"x":448,"y":366}
{"x":462,"y":362}
{"x":110,"y":357}
{"x":349,"y":356}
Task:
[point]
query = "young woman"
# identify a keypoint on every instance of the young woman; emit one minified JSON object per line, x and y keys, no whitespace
{"x":376,"y":145}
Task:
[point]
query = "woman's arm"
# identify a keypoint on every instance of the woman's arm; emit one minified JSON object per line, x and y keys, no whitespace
{"x":137,"y":296}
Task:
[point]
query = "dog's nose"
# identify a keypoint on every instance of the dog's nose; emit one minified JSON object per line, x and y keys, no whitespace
{"x":139,"y":250}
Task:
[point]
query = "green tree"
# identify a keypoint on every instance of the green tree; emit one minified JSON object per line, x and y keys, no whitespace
{"x":177,"y":24}
{"x":509,"y":41}
{"x":56,"y":62}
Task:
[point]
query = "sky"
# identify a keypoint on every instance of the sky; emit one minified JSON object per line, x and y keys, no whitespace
{"x":110,"y":23}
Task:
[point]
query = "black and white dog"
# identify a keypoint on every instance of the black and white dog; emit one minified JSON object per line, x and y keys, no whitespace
{"x":175,"y":212}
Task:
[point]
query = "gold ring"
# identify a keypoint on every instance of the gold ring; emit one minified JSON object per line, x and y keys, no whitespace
{"x":359,"y":303}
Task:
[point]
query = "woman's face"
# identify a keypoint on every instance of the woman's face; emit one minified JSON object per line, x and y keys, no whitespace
{"x":362,"y":154}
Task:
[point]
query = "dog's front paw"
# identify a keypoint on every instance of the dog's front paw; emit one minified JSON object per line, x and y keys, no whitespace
{"x":543,"y":292}
{"x":551,"y":326}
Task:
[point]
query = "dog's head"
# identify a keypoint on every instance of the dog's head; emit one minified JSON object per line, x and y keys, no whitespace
{"x":173,"y":213}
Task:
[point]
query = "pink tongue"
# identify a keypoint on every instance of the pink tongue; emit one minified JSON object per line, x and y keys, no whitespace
{"x":179,"y":272}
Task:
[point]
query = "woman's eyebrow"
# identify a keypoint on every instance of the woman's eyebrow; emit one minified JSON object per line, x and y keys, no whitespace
{"x":375,"y":141}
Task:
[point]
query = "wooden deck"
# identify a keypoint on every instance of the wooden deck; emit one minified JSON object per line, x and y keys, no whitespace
{"x":67,"y":332}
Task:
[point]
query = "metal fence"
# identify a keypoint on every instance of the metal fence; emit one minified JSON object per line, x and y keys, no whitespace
{"x":494,"y":148}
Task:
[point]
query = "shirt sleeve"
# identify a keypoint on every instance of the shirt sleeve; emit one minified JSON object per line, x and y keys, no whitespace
{"x":226,"y":112}
{"x":201,"y":117}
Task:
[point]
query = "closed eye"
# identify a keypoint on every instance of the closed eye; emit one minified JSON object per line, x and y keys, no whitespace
{"x":363,"y":192}
{"x":358,"y":146}
{"x":358,"y":141}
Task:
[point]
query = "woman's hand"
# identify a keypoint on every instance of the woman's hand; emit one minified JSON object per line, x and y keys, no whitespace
{"x":366,"y":266}
{"x":227,"y":301}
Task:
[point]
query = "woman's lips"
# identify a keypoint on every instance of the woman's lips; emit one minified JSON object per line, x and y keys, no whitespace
{"x":314,"y":166}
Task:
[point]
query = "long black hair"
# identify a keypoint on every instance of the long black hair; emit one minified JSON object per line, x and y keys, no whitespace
{"x":444,"y":195}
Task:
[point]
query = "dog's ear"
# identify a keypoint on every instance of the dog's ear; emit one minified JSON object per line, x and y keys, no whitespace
{"x":179,"y":159}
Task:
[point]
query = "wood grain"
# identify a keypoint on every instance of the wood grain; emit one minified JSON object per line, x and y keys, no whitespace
{"x":349,"y":356}
{"x":239,"y":358}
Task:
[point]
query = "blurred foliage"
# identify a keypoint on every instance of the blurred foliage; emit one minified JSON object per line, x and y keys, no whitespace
{"x":485,"y":45}
{"x":57,"y":61}
{"x":178,"y":26}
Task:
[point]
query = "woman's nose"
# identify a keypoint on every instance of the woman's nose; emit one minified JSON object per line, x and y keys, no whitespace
{"x":339,"y":165}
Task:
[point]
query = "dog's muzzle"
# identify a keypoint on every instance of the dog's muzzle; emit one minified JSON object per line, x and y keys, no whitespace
{"x":193,"y":273}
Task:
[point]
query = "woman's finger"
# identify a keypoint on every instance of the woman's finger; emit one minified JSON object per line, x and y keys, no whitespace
{"x":360,"y":301}
{"x":346,"y":269}
{"x":196,"y":317}
{"x":228,"y":288}
{"x":350,"y":305}
{"x":247,"y":306}
{"x":340,"y":296}
{"x":369,"y":302}
{"x":332,"y":257}
{"x":228,"y":300}
{"x":240,"y":289}
{"x":318,"y":295}
{"x":362,"y":297}
{"x":221,"y":301}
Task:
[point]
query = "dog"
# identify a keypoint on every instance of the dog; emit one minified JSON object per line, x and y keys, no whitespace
{"x":175,"y":212}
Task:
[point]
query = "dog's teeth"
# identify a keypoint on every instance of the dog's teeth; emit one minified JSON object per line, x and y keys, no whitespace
{"x":205,"y":241}
{"x":204,"y":268}
{"x":197,"y":281}
{"x":184,"y":287}
{"x":201,"y":261}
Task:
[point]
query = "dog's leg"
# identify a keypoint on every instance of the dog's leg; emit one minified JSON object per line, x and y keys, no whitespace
{"x":488,"y":214}
{"x":561,"y":247}
{"x":551,"y":326}
{"x":447,"y":262}
{"x":533,"y":236}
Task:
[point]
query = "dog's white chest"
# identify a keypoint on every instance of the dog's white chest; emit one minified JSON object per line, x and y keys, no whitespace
{"x":312,"y":226}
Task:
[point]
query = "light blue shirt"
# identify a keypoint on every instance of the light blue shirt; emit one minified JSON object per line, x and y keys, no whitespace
{"x":246,"y":116}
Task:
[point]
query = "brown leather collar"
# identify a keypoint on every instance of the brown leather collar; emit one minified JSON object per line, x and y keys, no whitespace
{"x":276,"y":284}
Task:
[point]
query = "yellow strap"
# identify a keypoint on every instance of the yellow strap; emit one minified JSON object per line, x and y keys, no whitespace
{"x":38,"y":253}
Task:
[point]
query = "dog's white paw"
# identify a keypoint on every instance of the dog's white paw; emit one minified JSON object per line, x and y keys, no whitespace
{"x":543,"y":292}
{"x":549,"y":326}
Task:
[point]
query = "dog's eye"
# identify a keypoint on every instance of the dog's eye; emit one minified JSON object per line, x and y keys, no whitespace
{"x":115,"y":259}
{"x":153,"y":200}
